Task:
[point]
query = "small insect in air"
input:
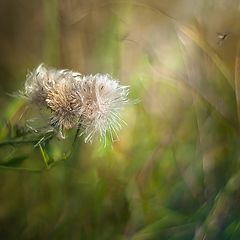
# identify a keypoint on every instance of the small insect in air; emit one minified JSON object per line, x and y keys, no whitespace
{"x":222,"y":37}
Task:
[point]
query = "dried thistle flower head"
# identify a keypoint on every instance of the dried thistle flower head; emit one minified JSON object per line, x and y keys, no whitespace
{"x":91,"y":103}
{"x":102,"y":99}
{"x":64,"y":102}
{"x":42,"y":79}
{"x":35,"y":85}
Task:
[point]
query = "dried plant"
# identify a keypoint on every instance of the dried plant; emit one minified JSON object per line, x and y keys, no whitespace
{"x":91,"y":103}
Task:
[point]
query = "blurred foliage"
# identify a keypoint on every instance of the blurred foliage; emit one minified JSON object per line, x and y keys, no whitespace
{"x":175,"y":172}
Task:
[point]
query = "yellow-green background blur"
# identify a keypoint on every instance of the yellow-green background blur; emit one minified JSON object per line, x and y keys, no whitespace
{"x":175,"y":171}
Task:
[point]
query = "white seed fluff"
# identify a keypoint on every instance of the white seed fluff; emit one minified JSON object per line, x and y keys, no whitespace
{"x":42,"y":79}
{"x":102,"y":99}
{"x":91,"y":103}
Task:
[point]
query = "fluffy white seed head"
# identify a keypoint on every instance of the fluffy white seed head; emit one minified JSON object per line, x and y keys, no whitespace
{"x":64,"y":103}
{"x":91,"y":103}
{"x":42,"y":79}
{"x":102,"y":99}
{"x":36,"y":84}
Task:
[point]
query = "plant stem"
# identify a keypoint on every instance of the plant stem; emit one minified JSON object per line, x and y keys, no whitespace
{"x":42,"y":138}
{"x":15,"y":142}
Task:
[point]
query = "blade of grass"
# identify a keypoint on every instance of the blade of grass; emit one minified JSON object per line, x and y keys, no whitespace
{"x":3,"y":167}
{"x":237,"y":80}
{"x":52,"y":35}
{"x":45,"y":156}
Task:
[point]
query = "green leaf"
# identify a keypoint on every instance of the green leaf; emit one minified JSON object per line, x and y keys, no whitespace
{"x":45,"y":156}
{"x":14,"y":161}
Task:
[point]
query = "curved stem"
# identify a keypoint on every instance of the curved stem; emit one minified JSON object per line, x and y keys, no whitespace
{"x":36,"y":141}
{"x":22,"y":169}
{"x":17,"y":141}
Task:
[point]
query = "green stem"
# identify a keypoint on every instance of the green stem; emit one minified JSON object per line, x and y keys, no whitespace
{"x":22,"y":169}
{"x":15,"y":142}
{"x":23,"y":141}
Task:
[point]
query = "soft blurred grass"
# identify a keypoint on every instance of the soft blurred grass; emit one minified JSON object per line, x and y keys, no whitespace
{"x":174,"y":174}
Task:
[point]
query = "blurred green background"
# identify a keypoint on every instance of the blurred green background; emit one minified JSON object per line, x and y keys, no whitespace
{"x":175,"y":173}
